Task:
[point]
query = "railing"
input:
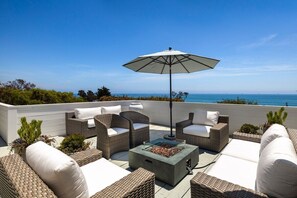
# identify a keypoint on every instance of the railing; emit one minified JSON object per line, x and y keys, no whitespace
{"x":53,"y":115}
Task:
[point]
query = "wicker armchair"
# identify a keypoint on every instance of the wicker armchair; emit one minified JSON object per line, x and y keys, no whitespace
{"x":139,"y":127}
{"x":219,"y":134}
{"x":80,"y":126}
{"x":107,"y":143}
{"x":17,"y":179}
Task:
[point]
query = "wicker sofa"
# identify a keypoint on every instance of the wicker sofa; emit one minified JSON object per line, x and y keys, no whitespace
{"x":17,"y":179}
{"x":218,"y":134}
{"x":254,"y":158}
{"x":81,"y":120}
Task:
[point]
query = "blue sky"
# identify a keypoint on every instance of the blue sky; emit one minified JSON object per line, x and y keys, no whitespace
{"x":72,"y":45}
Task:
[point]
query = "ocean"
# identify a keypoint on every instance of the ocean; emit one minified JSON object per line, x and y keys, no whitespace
{"x":261,"y":99}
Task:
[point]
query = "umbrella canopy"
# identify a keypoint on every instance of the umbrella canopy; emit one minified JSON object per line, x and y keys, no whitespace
{"x":171,"y":62}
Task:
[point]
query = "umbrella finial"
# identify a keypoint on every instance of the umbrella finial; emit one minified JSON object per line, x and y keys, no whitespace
{"x":170,"y":48}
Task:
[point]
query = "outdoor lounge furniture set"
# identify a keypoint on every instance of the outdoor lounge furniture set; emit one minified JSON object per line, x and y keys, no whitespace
{"x":48,"y":172}
{"x":265,"y":166}
{"x":115,"y":130}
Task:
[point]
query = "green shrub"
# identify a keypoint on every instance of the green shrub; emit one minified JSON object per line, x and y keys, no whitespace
{"x":74,"y":143}
{"x":278,"y":117}
{"x":29,"y":133}
{"x":249,"y":128}
{"x":238,"y":101}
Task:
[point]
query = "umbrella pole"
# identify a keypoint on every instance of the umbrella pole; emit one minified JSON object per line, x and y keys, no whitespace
{"x":170,"y":103}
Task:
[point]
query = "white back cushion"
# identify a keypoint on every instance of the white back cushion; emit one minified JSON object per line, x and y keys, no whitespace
{"x":206,"y":117}
{"x":275,"y":131}
{"x":59,"y":171}
{"x":277,"y":169}
{"x":87,"y":113}
{"x":112,"y":110}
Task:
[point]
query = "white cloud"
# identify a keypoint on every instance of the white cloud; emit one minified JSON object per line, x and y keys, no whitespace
{"x":261,"y":42}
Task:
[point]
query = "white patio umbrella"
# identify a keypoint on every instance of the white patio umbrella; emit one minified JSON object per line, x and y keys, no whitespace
{"x":170,"y":62}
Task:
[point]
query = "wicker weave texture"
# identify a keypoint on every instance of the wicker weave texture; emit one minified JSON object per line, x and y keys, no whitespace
{"x":247,"y":137}
{"x":137,"y":136}
{"x":17,"y":179}
{"x":203,"y":185}
{"x":219,"y":134}
{"x":138,"y":184}
{"x":87,"y":156}
{"x":293,"y":136}
{"x":111,"y":144}
{"x":78,"y":126}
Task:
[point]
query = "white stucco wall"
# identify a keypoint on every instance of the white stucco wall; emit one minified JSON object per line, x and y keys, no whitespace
{"x":238,"y":114}
{"x":53,"y":115}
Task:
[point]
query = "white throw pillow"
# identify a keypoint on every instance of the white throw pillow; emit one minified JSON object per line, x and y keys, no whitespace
{"x":274,"y":131}
{"x":277,"y":169}
{"x":87,"y":113}
{"x":59,"y":171}
{"x":112,"y":110}
{"x":204,"y":117}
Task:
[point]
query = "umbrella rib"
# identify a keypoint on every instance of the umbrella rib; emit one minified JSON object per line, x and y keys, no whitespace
{"x":181,"y":64}
{"x":198,"y":62}
{"x":164,"y":63}
{"x":153,"y":60}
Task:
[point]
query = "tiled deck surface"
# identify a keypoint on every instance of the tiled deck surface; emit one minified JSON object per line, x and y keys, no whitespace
{"x":182,"y":189}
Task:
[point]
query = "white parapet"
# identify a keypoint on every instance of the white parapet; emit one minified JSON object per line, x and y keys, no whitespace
{"x":53,"y":115}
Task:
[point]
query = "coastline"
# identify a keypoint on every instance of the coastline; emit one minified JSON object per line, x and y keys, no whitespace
{"x":261,"y":99}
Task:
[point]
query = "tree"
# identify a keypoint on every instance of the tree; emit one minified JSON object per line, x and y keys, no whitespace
{"x":82,"y":94}
{"x":180,"y":95}
{"x":103,"y":91}
{"x":91,"y":96}
{"x":19,"y":84}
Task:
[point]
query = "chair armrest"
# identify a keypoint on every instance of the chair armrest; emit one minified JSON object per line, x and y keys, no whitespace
{"x":17,"y":179}
{"x":203,"y":185}
{"x":223,"y":119}
{"x":140,"y":183}
{"x":75,"y":125}
{"x":87,"y":156}
{"x":247,"y":137}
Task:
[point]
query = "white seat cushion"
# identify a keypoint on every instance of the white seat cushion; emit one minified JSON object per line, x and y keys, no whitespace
{"x":87,"y":113}
{"x":139,"y":125}
{"x":274,"y":131}
{"x":91,"y":123}
{"x":277,"y":169}
{"x":59,"y":171}
{"x":112,"y":110}
{"x":243,"y":149}
{"x":203,"y":117}
{"x":198,"y":130}
{"x":235,"y":170}
{"x":101,"y":173}
{"x":116,"y":131}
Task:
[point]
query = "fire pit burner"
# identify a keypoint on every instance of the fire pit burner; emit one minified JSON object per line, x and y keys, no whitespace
{"x":165,"y":149}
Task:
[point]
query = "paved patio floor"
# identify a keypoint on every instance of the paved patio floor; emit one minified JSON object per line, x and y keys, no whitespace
{"x":182,"y":189}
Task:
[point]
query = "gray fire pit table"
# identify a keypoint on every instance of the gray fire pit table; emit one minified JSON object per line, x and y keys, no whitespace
{"x":167,"y":169}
